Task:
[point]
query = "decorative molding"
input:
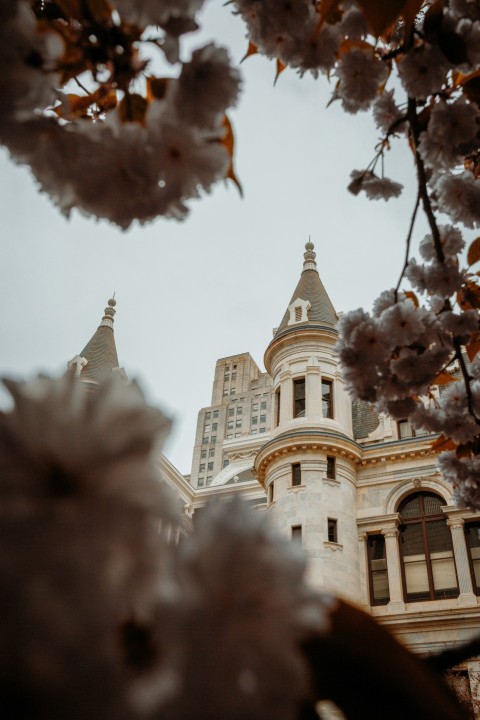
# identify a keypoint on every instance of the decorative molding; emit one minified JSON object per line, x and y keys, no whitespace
{"x":332,"y":545}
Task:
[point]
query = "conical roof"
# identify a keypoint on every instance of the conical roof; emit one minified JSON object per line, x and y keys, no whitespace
{"x":100,"y":352}
{"x":310,"y":288}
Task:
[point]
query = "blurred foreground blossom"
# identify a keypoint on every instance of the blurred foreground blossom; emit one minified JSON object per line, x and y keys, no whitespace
{"x":102,"y":615}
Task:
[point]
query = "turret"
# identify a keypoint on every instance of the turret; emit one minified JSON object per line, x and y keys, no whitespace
{"x":308,"y":465}
{"x":99,"y":356}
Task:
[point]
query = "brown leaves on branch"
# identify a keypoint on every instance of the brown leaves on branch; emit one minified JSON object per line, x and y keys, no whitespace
{"x":380,"y":15}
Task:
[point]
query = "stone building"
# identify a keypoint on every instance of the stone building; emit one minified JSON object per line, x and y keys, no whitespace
{"x":359,"y":491}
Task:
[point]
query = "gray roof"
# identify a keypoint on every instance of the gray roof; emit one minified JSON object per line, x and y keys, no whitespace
{"x":311,"y":288}
{"x":101,"y":351}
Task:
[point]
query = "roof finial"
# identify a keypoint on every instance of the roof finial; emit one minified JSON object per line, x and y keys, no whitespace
{"x":309,"y":255}
{"x":109,"y":313}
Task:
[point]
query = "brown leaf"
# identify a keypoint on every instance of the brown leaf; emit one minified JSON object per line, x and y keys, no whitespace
{"x":132,"y":108}
{"x":156,"y":87}
{"x":280,"y":68}
{"x":252,"y":50}
{"x":228,"y":141}
{"x":411,"y":296}
{"x":468,"y":296}
{"x":464,"y":451}
{"x":473,"y":347}
{"x":442,"y":444}
{"x":433,"y":17}
{"x":473,"y":254}
{"x":471,"y":87}
{"x":99,"y":9}
{"x":443,"y":378}
{"x":381,"y":15}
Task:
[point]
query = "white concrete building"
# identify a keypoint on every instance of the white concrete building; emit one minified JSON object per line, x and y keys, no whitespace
{"x":359,"y":491}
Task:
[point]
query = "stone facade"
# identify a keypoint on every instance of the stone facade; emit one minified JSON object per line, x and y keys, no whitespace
{"x":337,"y":479}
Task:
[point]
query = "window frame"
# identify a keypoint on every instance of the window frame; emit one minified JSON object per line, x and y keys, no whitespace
{"x":299,"y":403}
{"x":423,"y":519}
{"x":468,"y":524}
{"x":329,"y":403}
{"x":371,"y":571}
{"x":332,"y":530}
{"x":331,"y":474}
{"x":296,"y":474}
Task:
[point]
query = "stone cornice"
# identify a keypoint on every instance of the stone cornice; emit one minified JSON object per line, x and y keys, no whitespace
{"x":292,"y":335}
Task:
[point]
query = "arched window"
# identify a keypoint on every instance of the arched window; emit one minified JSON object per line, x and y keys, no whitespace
{"x":426,"y":546}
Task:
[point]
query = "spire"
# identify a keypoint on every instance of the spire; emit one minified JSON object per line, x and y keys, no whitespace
{"x":310,"y":304}
{"x":100,"y":353}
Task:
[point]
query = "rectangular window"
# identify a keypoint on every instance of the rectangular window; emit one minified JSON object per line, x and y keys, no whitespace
{"x":209,"y":479}
{"x":332,"y":530}
{"x":204,"y":441}
{"x":232,"y":391}
{"x":327,"y":398}
{"x":254,"y":420}
{"x":231,"y":411}
{"x":215,"y":414}
{"x":239,"y":410}
{"x":237,"y":434}
{"x":234,"y":367}
{"x":225,"y":393}
{"x":254,"y":407}
{"x":214,"y":427}
{"x":203,"y":454}
{"x":472,"y":533}
{"x":405,"y":430}
{"x":238,"y":423}
{"x":230,"y":425}
{"x":229,"y":437}
{"x":201,"y":481}
{"x":263,"y":418}
{"x":202,"y":467}
{"x":206,"y":428}
{"x":299,"y":397}
{"x":262,"y":430}
{"x":298,"y":314}
{"x":330,"y":468}
{"x":210,"y":466}
{"x":296,"y":474}
{"x":297,"y":533}
{"x":377,"y":570}
{"x":208,"y":415}
{"x":234,"y":376}
{"x":226,"y":462}
{"x":270,"y":492}
{"x":254,"y":432}
{"x":277,"y":407}
{"x":263,"y":406}
{"x":211,"y":452}
{"x":213,"y":439}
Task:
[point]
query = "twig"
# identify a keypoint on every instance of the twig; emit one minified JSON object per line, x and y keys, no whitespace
{"x":408,"y":241}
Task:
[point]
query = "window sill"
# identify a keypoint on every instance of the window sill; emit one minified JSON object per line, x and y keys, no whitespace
{"x":332,"y":545}
{"x":295,"y":488}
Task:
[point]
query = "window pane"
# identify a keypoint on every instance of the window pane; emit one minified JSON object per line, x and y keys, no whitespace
{"x":378,"y":570}
{"x":405,"y":430}
{"x":410,"y":507}
{"x":432,"y":504}
{"x":327,"y":405}
{"x":472,"y":531}
{"x":441,"y":556}
{"x":415,"y":563}
{"x":331,"y":468}
{"x":296,"y":474}
{"x":299,"y":397}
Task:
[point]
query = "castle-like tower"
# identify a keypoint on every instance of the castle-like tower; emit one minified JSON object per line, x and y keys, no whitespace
{"x":307,"y":466}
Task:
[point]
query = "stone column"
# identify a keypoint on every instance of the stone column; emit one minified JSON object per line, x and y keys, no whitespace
{"x":286,"y":397}
{"x":362,"y":556}
{"x":467,"y":597}
{"x":313,"y":393}
{"x":396,"y":603}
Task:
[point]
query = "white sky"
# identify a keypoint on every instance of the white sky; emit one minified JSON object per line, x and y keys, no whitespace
{"x":216,"y":284}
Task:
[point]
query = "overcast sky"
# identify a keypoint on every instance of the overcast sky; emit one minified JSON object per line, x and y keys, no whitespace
{"x":216,"y":284}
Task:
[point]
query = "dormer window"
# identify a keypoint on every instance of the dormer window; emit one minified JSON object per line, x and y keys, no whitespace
{"x":298,"y":311}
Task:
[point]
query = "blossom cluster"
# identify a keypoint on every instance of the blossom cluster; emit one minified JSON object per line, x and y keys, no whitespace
{"x":114,"y":152}
{"x":102,"y":614}
{"x":416,"y":65}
